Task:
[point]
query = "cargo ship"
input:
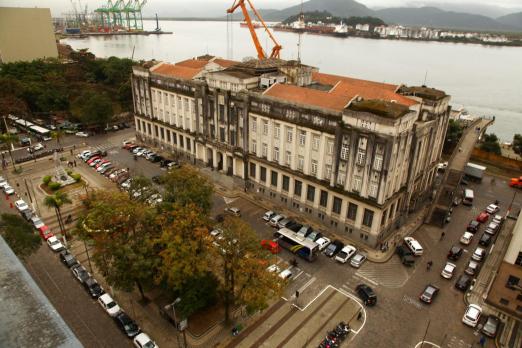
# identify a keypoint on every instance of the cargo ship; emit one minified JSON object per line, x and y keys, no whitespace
{"x":255,"y":24}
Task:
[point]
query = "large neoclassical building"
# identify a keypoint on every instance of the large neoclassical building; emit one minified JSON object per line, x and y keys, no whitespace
{"x":355,"y":155}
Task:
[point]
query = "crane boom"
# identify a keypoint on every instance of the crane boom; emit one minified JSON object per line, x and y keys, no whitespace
{"x":260,"y":53}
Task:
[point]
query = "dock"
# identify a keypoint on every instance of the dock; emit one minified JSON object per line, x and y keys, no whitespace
{"x":114,"y":33}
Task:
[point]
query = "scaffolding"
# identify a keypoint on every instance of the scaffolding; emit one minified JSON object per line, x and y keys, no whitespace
{"x":120,"y":15}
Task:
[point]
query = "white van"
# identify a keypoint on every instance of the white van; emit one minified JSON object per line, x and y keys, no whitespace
{"x":414,"y":246}
{"x":468,"y":197}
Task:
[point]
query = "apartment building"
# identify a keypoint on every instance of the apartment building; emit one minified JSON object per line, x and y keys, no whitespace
{"x":357,"y":156}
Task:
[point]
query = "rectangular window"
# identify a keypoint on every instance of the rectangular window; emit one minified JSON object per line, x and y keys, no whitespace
{"x":302,"y":138}
{"x":288,"y":158}
{"x":221,"y":113}
{"x":162,"y":133}
{"x":168,"y":136}
{"x":188,"y":144}
{"x":265,"y":127}
{"x":276,"y":154}
{"x":175,"y":138}
{"x":181,"y":141}
{"x":300,"y":163}
{"x":155,"y":130}
{"x":323,"y":199}
{"x":328,"y":171}
{"x":345,"y":149}
{"x":330,"y":147}
{"x":286,"y":183}
{"x":277,"y":130}
{"x":273,"y":178}
{"x":357,"y":183}
{"x":361,"y":157}
{"x":341,"y":178}
{"x":221,"y":134}
{"x":315,"y":142}
{"x":337,"y":204}
{"x":262,"y":173}
{"x":289,"y":135}
{"x":373,"y":189}
{"x":253,"y":170}
{"x":383,"y":219}
{"x":310,"y":193}
{"x":298,"y":188}
{"x":254,"y":146}
{"x":368,"y":218}
{"x":352,"y":212}
{"x":314,"y":167}
{"x":254,"y":124}
{"x":377,"y":163}
{"x":265,"y":150}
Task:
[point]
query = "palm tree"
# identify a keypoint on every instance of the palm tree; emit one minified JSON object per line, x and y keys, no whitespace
{"x":58,"y":134}
{"x":9,"y":139}
{"x":56,"y":201}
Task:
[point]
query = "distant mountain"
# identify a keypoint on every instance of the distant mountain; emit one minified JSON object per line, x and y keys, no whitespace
{"x":514,"y":19}
{"x":339,"y":8}
{"x":434,"y":17}
{"x":488,"y":10}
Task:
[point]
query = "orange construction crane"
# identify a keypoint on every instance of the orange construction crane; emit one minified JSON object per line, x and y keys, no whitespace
{"x":260,"y":53}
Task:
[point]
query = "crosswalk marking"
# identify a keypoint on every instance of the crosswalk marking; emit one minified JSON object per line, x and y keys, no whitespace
{"x":391,"y":274}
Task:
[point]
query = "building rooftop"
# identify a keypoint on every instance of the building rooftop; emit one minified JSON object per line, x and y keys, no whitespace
{"x":423,"y":92}
{"x":333,"y":80}
{"x":351,"y":88}
{"x":177,"y":71}
{"x":28,"y":318}
{"x":307,"y":96}
{"x":380,"y":107}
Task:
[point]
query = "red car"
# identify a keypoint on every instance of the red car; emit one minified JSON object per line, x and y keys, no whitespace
{"x":128,"y":146}
{"x":45,"y":232}
{"x":92,"y":159}
{"x":100,"y":163}
{"x":271,"y":246}
{"x":482,"y":217}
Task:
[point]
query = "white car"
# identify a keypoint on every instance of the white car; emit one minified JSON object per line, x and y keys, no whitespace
{"x":497,"y":219}
{"x":21,"y":205}
{"x":144,"y":341}
{"x":492,"y":209}
{"x":414,"y":246}
{"x":323,"y":243}
{"x":357,"y":260}
{"x":55,"y":244}
{"x":345,"y":253}
{"x":3,"y":182}
{"x":478,"y":254}
{"x":275,"y":220}
{"x":466,"y":238}
{"x":9,"y":190}
{"x":84,"y":154}
{"x":37,"y":222}
{"x":268,"y":215}
{"x":447,"y":272}
{"x":287,"y":273}
{"x":105,"y":165}
{"x":472,"y":315}
{"x":273,"y":269}
{"x":109,"y":305}
{"x":82,"y":134}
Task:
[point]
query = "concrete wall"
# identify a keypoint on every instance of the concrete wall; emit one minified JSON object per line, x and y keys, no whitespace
{"x":496,"y":160}
{"x":26,"y":34}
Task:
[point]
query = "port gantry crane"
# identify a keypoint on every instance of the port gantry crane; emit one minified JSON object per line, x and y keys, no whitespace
{"x":260,"y":53}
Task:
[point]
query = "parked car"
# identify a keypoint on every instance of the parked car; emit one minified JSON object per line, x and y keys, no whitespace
{"x":273,"y":269}
{"x":463,"y":282}
{"x":270,"y":245}
{"x":455,"y":253}
{"x":45,"y":232}
{"x":314,"y":236}
{"x":94,"y":162}
{"x":346,"y":252}
{"x":429,"y":293}
{"x":485,"y":239}
{"x":143,"y":341}
{"x":366,"y":294}
{"x":305,"y":230}
{"x":284,"y":223}
{"x":466,"y":238}
{"x":357,"y":260}
{"x":286,"y":274}
{"x":447,"y":271}
{"x":405,"y":255}
{"x":21,"y":205}
{"x":82,"y":134}
{"x":55,"y":244}
{"x":127,"y":325}
{"x":8,"y":190}
{"x":493,"y":226}
{"x":333,"y":248}
{"x":472,"y":315}
{"x":275,"y":220}
{"x":233,"y":211}
{"x":27,"y":214}
{"x":482,"y":217}
{"x":294,"y":226}
{"x":84,"y":154}
{"x":491,"y":326}
{"x":80,"y":273}
{"x":498,"y":219}
{"x":37,"y":222}
{"x":268,"y":215}
{"x":472,"y":268}
{"x":492,"y":209}
{"x":478,"y":254}
{"x":68,"y":259}
{"x":108,"y":304}
{"x":473,"y":226}
{"x":93,"y":288}
{"x":323,"y":243}
{"x":413,"y":245}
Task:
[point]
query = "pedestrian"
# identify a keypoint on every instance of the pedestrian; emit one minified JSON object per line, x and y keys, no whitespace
{"x":74,"y":163}
{"x":442,"y":235}
{"x":71,"y":152}
{"x":482,"y":341}
{"x":429,"y":264}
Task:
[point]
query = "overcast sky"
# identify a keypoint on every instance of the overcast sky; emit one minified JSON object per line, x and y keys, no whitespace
{"x":192,"y":7}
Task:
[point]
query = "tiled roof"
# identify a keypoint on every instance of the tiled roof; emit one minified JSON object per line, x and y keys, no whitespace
{"x":225,"y":63}
{"x":177,"y":71}
{"x":367,"y":91}
{"x":307,"y":96}
{"x":193,"y":63}
{"x":334,"y":79}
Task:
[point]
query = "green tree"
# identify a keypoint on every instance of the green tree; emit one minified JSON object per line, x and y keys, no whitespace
{"x":242,"y":265}
{"x":58,"y":135}
{"x":517,"y":144}
{"x":123,"y":233}
{"x":196,"y":293}
{"x":56,"y":201}
{"x":9,"y":139}
{"x":93,"y":108}
{"x":185,"y":185}
{"x":490,"y":143}
{"x":453,"y":135}
{"x":142,"y":185}
{"x":19,"y":235}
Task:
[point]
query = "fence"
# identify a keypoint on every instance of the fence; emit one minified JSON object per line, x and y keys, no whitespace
{"x":496,"y":160}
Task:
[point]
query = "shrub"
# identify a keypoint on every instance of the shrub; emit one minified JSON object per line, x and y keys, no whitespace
{"x":63,"y":159}
{"x":46,"y":179}
{"x":77,"y":177}
{"x":54,"y":185}
{"x":68,"y":171}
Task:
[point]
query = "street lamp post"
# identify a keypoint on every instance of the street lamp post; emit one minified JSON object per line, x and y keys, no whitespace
{"x":177,"y":324}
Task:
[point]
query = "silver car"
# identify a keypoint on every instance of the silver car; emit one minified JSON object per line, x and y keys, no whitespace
{"x":357,"y":260}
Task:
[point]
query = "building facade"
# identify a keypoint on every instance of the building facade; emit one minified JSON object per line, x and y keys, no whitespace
{"x":355,"y":155}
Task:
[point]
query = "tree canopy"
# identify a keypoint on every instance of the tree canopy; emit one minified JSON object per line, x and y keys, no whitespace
{"x":185,"y":185}
{"x":517,"y":144}
{"x":93,"y":108}
{"x":490,"y":143}
{"x":19,"y":235}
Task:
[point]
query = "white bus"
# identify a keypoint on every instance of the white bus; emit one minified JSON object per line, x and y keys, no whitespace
{"x":297,"y":244}
{"x":468,"y":197}
{"x":40,"y":132}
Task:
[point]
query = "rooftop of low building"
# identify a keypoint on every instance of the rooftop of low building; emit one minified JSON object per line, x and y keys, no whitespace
{"x":423,"y":92}
{"x":380,"y":107}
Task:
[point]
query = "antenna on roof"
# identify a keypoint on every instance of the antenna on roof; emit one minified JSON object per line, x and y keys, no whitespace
{"x":301,"y":20}
{"x":425,"y":78}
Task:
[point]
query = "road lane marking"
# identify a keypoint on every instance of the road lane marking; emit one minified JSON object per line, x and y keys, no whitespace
{"x":306,"y":285}
{"x":420,"y":344}
{"x":367,"y":279}
{"x":297,"y":276}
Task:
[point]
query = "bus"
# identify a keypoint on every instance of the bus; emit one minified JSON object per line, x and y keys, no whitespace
{"x":297,"y":244}
{"x":468,"y":197}
{"x":40,"y":132}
